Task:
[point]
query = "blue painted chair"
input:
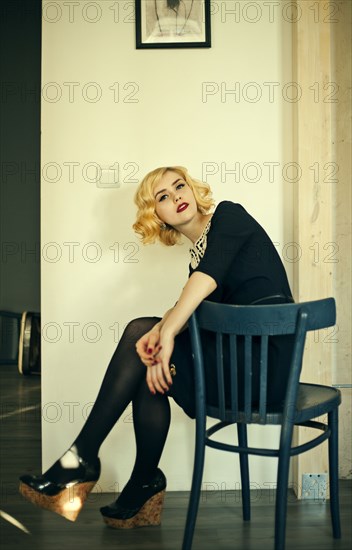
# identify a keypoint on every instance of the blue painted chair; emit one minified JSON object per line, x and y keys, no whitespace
{"x":303,"y":402}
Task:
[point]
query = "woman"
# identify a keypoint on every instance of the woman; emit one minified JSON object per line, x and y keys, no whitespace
{"x":170,"y":20}
{"x":232,"y":261}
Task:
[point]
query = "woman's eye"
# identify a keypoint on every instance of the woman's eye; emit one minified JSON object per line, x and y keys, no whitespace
{"x":163,"y":197}
{"x":180,"y":185}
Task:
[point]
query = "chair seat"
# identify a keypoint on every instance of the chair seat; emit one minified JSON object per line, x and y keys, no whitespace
{"x":313,"y":400}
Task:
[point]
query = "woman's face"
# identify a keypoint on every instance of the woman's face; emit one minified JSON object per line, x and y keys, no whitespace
{"x":175,"y":203}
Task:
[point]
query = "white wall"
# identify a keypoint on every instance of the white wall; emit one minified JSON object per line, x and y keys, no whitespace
{"x":162,"y":117}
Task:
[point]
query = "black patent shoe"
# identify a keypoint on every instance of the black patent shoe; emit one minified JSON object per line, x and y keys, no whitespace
{"x":66,"y":499}
{"x":146,"y":512}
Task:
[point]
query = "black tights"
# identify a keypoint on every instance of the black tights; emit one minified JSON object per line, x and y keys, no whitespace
{"x":124,"y":382}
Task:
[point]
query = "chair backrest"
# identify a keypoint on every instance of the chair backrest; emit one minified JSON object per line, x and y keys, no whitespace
{"x":238,"y":330}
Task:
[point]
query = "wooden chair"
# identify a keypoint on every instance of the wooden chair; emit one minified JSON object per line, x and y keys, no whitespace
{"x":303,"y":402}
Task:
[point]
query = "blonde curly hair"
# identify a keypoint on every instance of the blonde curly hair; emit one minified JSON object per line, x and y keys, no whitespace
{"x":148,"y":225}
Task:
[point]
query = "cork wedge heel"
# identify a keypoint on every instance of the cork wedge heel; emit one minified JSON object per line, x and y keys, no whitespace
{"x":67,"y":495}
{"x":148,"y":498}
{"x":149,"y":514}
{"x":68,"y":502}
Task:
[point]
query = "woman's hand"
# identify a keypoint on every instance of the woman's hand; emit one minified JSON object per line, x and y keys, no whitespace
{"x":155,"y":349}
{"x":197,"y":288}
{"x":149,"y":345}
{"x":158,"y":373}
{"x":156,"y":346}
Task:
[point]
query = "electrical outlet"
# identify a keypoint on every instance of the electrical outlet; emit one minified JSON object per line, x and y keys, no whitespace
{"x":314,"y":486}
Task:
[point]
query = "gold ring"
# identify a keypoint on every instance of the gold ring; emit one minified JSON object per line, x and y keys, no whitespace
{"x":172,"y":370}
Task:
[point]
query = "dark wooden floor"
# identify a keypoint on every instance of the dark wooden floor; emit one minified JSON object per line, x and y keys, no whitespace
{"x":219,"y":524}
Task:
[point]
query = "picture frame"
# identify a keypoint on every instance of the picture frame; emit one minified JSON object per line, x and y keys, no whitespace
{"x":172,"y":24}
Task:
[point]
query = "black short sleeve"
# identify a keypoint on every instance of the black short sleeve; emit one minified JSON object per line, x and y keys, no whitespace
{"x":231,"y":227}
{"x":241,"y":258}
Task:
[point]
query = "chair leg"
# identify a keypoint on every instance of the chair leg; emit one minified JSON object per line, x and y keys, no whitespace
{"x":246,"y":500}
{"x":281,"y":497}
{"x":196,"y":484}
{"x":333,"y":474}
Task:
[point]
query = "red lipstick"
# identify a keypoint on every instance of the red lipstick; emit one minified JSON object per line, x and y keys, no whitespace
{"x":182,"y":207}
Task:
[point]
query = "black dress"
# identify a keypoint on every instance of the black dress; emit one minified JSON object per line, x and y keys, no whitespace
{"x":239,"y":255}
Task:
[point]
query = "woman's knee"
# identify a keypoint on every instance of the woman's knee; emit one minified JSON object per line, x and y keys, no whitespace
{"x":137,"y":327}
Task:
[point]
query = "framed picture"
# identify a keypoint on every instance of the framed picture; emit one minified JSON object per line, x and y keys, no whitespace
{"x":172,"y":24}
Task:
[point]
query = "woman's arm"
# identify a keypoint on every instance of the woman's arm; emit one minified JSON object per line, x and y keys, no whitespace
{"x":148,"y":345}
{"x":197,"y":288}
{"x":156,"y":346}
